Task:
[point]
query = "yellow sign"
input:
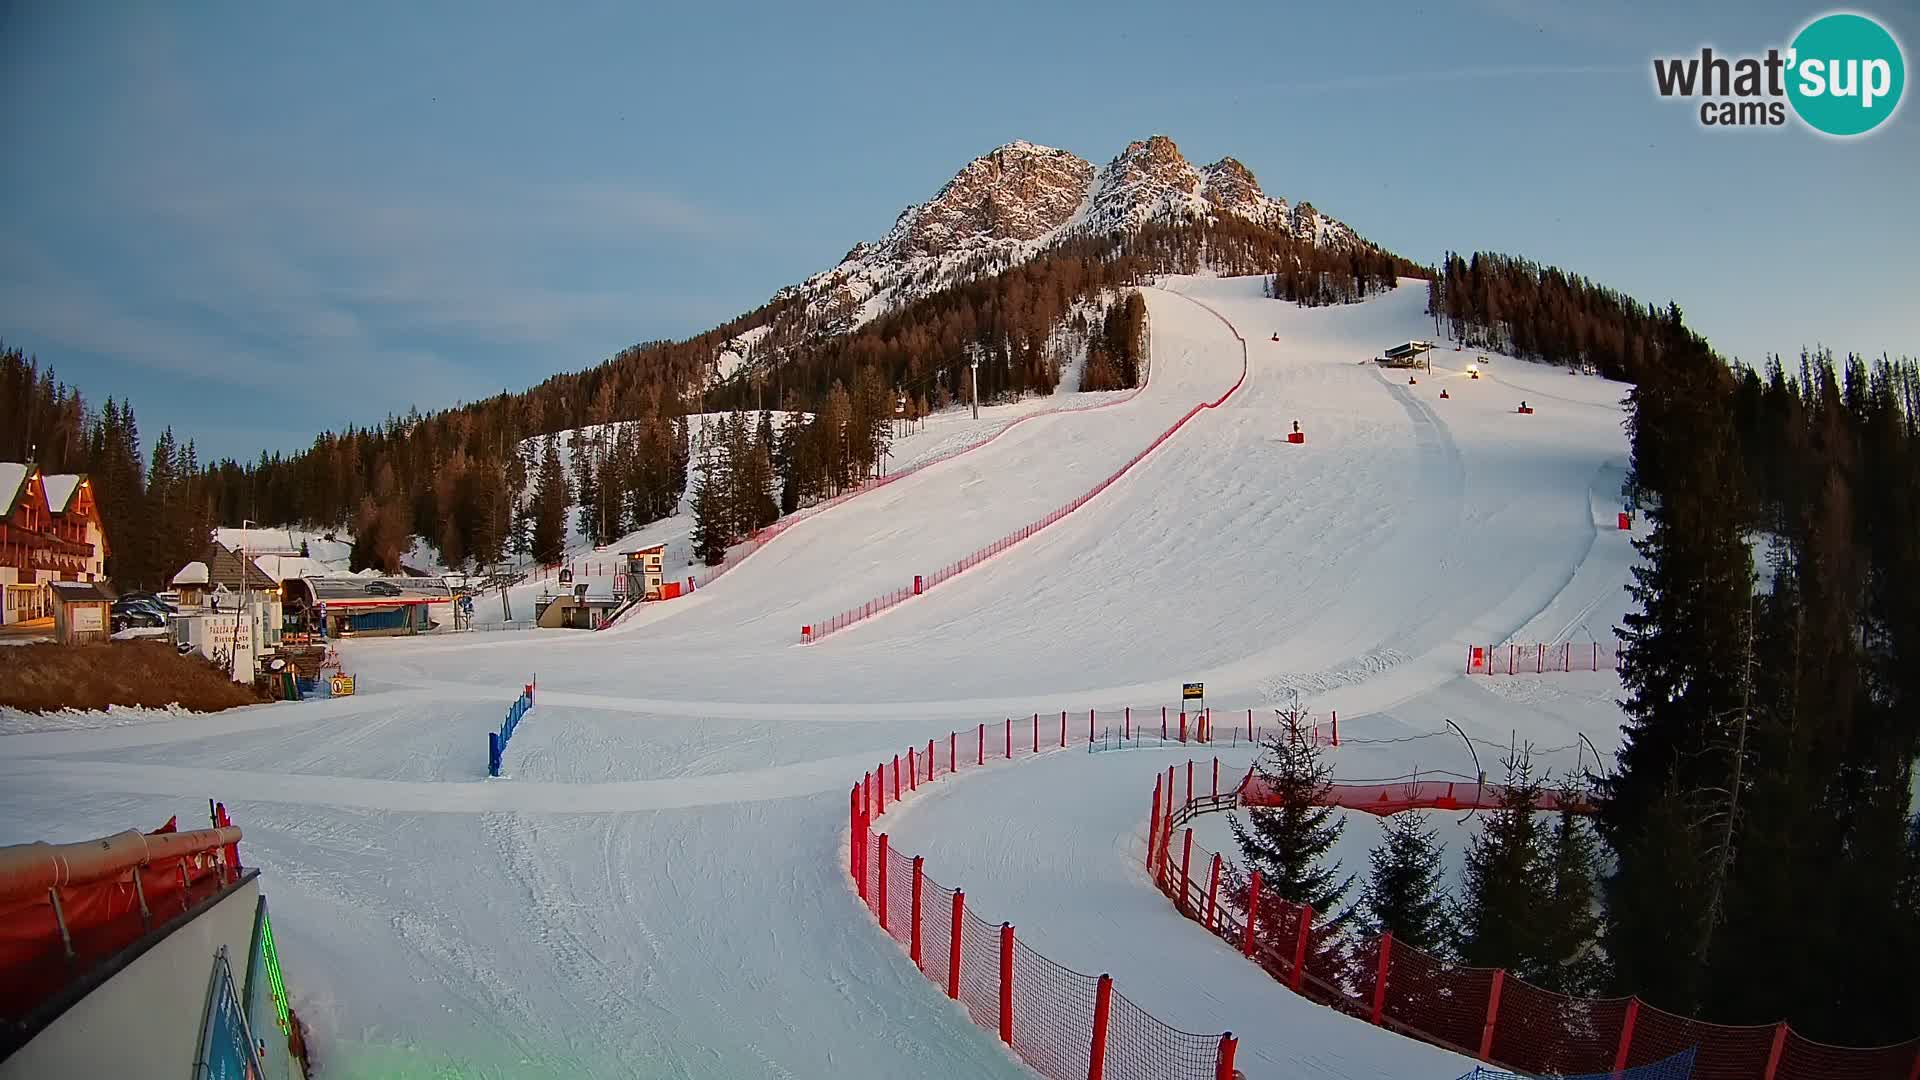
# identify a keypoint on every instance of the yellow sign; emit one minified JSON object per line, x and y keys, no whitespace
{"x":1193,"y":690}
{"x":342,"y":685}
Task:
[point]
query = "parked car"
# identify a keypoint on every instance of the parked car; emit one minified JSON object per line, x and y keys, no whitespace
{"x":129,"y":614}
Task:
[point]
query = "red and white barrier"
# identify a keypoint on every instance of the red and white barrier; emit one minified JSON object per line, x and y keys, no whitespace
{"x":1540,"y":658}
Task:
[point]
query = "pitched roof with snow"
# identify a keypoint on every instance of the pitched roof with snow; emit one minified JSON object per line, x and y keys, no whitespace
{"x":13,"y":477}
{"x":60,"y":488}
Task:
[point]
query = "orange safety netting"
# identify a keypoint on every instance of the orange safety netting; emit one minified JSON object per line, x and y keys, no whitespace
{"x":1489,"y":1014}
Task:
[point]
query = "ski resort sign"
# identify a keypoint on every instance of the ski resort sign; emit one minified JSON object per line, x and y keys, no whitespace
{"x":1843,"y":75}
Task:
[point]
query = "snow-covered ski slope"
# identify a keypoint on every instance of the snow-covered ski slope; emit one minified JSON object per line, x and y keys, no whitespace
{"x":654,"y":889}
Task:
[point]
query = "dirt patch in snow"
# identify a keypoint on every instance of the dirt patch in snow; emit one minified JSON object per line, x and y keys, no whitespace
{"x":47,"y":678}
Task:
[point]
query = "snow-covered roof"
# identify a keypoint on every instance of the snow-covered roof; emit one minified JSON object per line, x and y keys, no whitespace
{"x":13,"y":477}
{"x":60,"y":488}
{"x":258,"y":541}
{"x":283,"y":567}
{"x":194,"y":573}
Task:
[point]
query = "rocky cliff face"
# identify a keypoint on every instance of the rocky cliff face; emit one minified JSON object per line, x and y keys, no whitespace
{"x":1016,"y":201}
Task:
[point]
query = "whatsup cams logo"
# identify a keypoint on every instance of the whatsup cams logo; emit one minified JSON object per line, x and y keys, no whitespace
{"x":1842,"y":75}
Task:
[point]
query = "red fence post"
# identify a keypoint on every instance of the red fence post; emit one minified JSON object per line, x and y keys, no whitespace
{"x":919,"y":873}
{"x":1036,"y":733}
{"x":1006,"y":983}
{"x":953,"y":946}
{"x":1063,"y":728}
{"x":1089,"y":728}
{"x":883,"y":881}
{"x":1183,"y":724}
{"x":853,"y":843}
{"x":1298,"y":978}
{"x":953,"y":760}
{"x":1228,"y":1044}
{"x":1336,"y":727}
{"x":1163,"y":723}
{"x":1189,"y":801}
{"x":913,"y":771}
{"x":1253,"y":914}
{"x":1009,"y":737}
{"x":1380,"y":977}
{"x":1213,"y":891}
{"x":1186,"y":867}
{"x":896,"y":778}
{"x":1626,"y":1037}
{"x":1493,"y":1014}
{"x":1102,"y":1008}
{"x":1153,"y":821}
{"x":1773,"y":1056}
{"x":880,"y":786}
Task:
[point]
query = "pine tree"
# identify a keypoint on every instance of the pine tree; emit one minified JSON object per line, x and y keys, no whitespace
{"x":550,"y":501}
{"x":1501,"y":919}
{"x":1289,"y":841}
{"x":1404,"y":894}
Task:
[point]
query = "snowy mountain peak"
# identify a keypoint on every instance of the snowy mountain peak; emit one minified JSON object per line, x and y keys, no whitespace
{"x":1013,"y":202}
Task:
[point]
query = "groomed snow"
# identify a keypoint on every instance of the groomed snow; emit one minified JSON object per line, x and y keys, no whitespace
{"x":655,"y":888}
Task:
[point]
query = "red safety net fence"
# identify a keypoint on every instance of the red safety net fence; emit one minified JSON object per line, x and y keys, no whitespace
{"x":67,"y":908}
{"x":833,"y":624}
{"x":1482,"y":1013}
{"x":1064,"y":1024}
{"x":1540,"y":658}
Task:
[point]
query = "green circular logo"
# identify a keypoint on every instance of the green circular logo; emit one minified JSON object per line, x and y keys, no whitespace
{"x":1846,"y":74}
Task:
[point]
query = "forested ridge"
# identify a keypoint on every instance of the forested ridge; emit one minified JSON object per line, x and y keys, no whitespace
{"x":453,"y":476}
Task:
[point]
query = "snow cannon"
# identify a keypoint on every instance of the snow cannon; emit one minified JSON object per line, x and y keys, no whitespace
{"x":1296,"y":436}
{"x":1525,"y":409}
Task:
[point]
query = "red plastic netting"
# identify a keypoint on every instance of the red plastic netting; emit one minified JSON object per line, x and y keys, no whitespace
{"x":1804,"y":1059}
{"x":1140,"y":1047}
{"x":980,"y":971}
{"x":1724,"y":1053}
{"x":899,"y":871}
{"x":1541,"y":1031}
{"x":936,"y":930}
{"x":1447,"y":1004}
{"x":1052,"y":1015}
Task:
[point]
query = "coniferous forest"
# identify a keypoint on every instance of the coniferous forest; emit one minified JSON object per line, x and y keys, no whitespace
{"x":456,"y":477}
{"x":1757,"y":852}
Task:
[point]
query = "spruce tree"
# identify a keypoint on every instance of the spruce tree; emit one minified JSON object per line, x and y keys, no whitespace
{"x":1501,"y":920}
{"x":1404,"y":894}
{"x":550,"y":501}
{"x":1289,"y":842}
{"x":711,"y":514}
{"x":1569,"y":962}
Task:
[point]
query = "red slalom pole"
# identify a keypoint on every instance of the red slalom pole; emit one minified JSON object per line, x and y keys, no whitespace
{"x":982,"y":758}
{"x":929,"y":759}
{"x":953,"y":762}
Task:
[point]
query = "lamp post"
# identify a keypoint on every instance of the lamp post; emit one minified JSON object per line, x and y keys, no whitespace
{"x":246,"y":595}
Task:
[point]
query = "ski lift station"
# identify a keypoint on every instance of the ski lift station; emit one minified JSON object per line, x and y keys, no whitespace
{"x":1407,"y":354}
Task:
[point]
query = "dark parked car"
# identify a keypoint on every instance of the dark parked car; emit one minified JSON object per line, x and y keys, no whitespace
{"x":133,"y":613}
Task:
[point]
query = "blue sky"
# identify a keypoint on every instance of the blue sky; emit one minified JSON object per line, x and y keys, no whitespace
{"x":260,"y":220}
